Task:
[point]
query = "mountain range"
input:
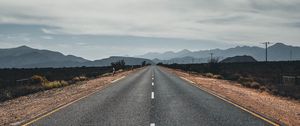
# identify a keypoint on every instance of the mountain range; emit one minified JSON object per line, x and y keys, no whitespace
{"x":276,"y":52}
{"x":26,"y":57}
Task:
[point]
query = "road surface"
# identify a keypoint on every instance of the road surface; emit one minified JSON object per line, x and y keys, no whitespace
{"x":150,"y":97}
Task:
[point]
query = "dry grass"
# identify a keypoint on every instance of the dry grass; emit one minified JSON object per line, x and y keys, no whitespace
{"x":55,"y":84}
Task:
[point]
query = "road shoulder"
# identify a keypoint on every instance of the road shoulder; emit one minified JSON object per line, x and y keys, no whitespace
{"x":279,"y":108}
{"x":26,"y":108}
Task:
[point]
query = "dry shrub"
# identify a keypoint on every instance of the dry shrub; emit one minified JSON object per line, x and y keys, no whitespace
{"x":39,"y":80}
{"x":80,"y":78}
{"x":106,"y":74}
{"x":245,"y":79}
{"x":55,"y":84}
{"x":233,"y":77}
{"x":193,"y":72}
{"x":218,"y":77}
{"x":210,"y":75}
{"x":255,"y":85}
{"x":250,"y":84}
{"x":263,"y":88}
{"x":121,"y":70}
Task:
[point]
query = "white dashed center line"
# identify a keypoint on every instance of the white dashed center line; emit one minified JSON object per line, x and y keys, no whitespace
{"x":152,"y":83}
{"x":152,"y":78}
{"x":152,"y":124}
{"x":152,"y":95}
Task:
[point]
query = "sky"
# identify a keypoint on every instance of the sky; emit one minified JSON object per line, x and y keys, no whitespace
{"x":96,"y":29}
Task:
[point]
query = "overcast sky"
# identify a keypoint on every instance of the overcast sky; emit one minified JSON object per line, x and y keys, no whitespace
{"x":96,"y":29}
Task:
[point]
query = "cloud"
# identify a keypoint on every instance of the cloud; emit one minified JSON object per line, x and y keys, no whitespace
{"x":47,"y":31}
{"x":47,"y":37}
{"x":217,"y":20}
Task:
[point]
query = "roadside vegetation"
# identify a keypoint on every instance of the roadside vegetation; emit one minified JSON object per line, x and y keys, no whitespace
{"x":258,"y":75}
{"x":19,"y":82}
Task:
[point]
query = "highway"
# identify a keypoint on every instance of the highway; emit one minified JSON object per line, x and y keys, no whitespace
{"x":150,"y":97}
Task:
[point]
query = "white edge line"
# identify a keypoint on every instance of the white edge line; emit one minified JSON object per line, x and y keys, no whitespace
{"x":117,"y":79}
{"x":187,"y":80}
{"x":234,"y":104}
{"x":41,"y":116}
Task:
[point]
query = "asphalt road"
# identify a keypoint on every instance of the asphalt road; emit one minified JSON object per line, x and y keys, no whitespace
{"x":136,"y":101}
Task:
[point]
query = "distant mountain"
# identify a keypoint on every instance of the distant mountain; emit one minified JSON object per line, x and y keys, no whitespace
{"x":108,"y":61}
{"x":24,"y":57}
{"x":166,"y":55}
{"x":238,"y":59}
{"x":277,"y":52}
{"x":182,"y":60}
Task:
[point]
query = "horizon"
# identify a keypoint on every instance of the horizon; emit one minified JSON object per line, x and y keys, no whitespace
{"x":96,"y":29}
{"x":137,"y":56}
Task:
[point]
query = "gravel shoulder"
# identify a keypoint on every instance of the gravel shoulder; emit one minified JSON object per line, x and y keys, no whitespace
{"x":25,"y":108}
{"x":281,"y":109}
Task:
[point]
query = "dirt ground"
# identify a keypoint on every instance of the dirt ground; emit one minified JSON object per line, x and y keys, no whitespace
{"x":281,"y":109}
{"x":23,"y":109}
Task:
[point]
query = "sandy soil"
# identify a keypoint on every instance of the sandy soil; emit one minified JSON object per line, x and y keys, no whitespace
{"x":23,"y":109}
{"x":281,"y":109}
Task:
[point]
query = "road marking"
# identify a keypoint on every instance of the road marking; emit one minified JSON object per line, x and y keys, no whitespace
{"x":39,"y":117}
{"x":236,"y":105}
{"x":152,"y":95}
{"x":152,"y":124}
{"x":117,"y":79}
{"x":187,"y":80}
{"x":152,"y":78}
{"x":152,"y":83}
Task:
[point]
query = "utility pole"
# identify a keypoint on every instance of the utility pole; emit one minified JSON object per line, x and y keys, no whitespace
{"x":266,"y":44}
{"x":211,"y":56}
{"x":291,"y":55}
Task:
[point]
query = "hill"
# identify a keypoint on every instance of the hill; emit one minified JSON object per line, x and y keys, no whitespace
{"x":108,"y":61}
{"x":182,"y":60}
{"x":239,"y":59}
{"x":24,"y":57}
{"x":277,"y":52}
